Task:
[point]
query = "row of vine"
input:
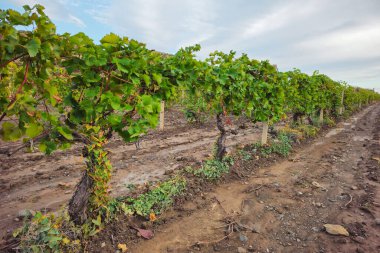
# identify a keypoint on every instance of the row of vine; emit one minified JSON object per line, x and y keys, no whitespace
{"x":60,"y":89}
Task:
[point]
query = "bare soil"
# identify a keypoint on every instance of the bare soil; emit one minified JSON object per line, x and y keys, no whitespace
{"x":33,"y":181}
{"x":264,"y":205}
{"x":278,"y":208}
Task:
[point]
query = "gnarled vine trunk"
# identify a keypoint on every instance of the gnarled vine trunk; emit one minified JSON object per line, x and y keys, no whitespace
{"x":296,"y":117}
{"x":220,"y":144}
{"x":79,"y":202}
{"x":92,"y":191}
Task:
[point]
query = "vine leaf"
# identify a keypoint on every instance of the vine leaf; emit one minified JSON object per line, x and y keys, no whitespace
{"x":33,"y":130}
{"x":33,"y":46}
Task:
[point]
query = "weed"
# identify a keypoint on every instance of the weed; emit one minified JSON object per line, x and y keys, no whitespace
{"x":294,"y":133}
{"x":330,"y":122}
{"x":130,"y":187}
{"x":308,"y":131}
{"x":49,"y":233}
{"x":213,"y":169}
{"x":156,"y":200}
{"x":245,"y":155}
{"x":282,"y":146}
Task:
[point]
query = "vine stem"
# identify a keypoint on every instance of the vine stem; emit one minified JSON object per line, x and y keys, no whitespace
{"x":18,"y":91}
{"x":12,"y":60}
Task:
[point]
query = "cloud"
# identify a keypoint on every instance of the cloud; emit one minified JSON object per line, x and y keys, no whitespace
{"x":163,"y":25}
{"x":352,"y":43}
{"x":277,"y":18}
{"x":56,"y":10}
{"x":340,"y":38}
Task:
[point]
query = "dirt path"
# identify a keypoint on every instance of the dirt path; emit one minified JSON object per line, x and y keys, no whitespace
{"x":283,"y":208}
{"x":38,"y":182}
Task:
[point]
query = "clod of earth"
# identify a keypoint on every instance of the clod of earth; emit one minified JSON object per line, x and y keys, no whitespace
{"x":241,"y":250}
{"x":336,"y":229}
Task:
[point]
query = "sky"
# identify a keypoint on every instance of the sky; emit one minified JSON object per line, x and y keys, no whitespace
{"x":340,"y":38}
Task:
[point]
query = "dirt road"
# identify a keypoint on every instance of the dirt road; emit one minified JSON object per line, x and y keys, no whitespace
{"x":282,"y":208}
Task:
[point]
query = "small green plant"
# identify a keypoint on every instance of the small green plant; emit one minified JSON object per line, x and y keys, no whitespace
{"x":308,"y":131}
{"x":130,"y":187}
{"x":194,"y":117}
{"x":213,"y":169}
{"x":155,"y":200}
{"x":49,"y":233}
{"x":245,"y":155}
{"x":282,"y":146}
{"x":330,"y":122}
{"x":315,"y":121}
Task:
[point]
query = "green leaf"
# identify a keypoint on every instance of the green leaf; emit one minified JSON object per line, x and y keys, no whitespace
{"x":92,"y":92}
{"x":114,"y":120}
{"x":42,"y":147}
{"x":65,"y":132}
{"x":33,"y":46}
{"x":35,"y":249}
{"x":47,"y":147}
{"x":110,"y":38}
{"x":157,"y":77}
{"x":128,"y":108}
{"x":115,"y":102}
{"x":33,"y":130}
{"x":146,"y":79}
{"x":10,"y":132}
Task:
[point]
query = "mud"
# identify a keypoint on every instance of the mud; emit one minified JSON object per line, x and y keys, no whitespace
{"x":282,"y":208}
{"x":34,"y":181}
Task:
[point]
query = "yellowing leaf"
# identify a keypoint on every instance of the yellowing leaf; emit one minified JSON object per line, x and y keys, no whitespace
{"x":65,"y":241}
{"x":152,"y":217}
{"x":57,"y":98}
{"x":31,"y":114}
{"x":122,"y":247}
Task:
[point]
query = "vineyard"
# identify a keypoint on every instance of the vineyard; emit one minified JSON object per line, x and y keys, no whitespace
{"x":63,"y":93}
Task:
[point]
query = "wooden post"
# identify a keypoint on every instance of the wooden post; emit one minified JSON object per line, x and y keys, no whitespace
{"x":321,"y":116}
{"x":341,"y":108}
{"x":162,"y":115}
{"x":264,"y":135}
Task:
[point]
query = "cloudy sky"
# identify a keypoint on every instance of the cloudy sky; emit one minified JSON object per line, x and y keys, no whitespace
{"x":340,"y":38}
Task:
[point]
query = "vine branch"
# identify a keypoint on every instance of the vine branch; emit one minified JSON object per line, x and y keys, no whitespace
{"x":19,"y":90}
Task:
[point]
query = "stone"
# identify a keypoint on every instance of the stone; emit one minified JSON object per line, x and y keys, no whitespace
{"x":256,"y":228}
{"x":377,"y":221}
{"x":241,"y":250}
{"x":251,"y":248}
{"x":334,"y":229}
{"x":168,"y":172}
{"x":25,"y":213}
{"x":341,"y":241}
{"x":103,"y":244}
{"x":243,"y":238}
{"x":354,"y":187}
{"x":63,"y":185}
{"x":216,"y":247}
{"x":359,"y":239}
